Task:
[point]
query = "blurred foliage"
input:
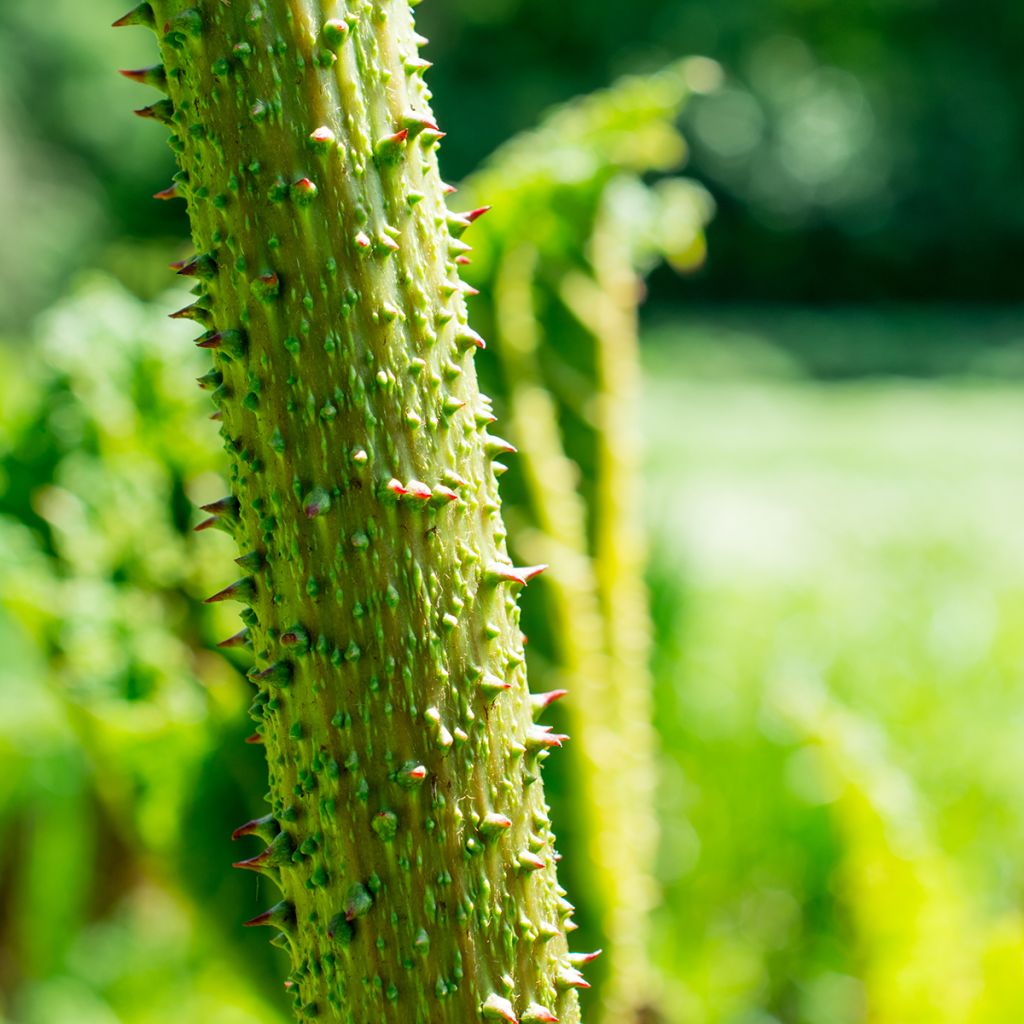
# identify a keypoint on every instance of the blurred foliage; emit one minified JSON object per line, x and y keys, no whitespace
{"x":839,"y":610}
{"x":857,"y":152}
{"x":120,"y":737}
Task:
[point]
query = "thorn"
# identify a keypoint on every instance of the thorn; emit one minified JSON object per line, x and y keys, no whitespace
{"x":537,"y":1014}
{"x":569,"y":977}
{"x":210,"y":380}
{"x":278,"y":852}
{"x":464,"y":261}
{"x":477,"y":213}
{"x":334,"y":33}
{"x":389,"y":149}
{"x":396,"y":488}
{"x":266,"y":286}
{"x":468,"y":338}
{"x":266,"y":828}
{"x":529,"y":861}
{"x":540,"y":737}
{"x":201,"y":266}
{"x":416,"y":123}
{"x":156,"y":76}
{"x":141,"y":15}
{"x":443,"y":495}
{"x":493,"y":685}
{"x":295,"y":637}
{"x":448,"y":190}
{"x":316,"y":503}
{"x":240,"y":639}
{"x":417,"y":65}
{"x":230,"y":342}
{"x":454,"y":479}
{"x":419,"y":490}
{"x":197,"y":312}
{"x":162,"y":111}
{"x":541,"y":701}
{"x":281,"y":915}
{"x":171,"y":192}
{"x":322,"y":138}
{"x":579,"y":959}
{"x":278,"y":675}
{"x":226,"y":506}
{"x":251,"y":562}
{"x":208,"y":524}
{"x":499,"y":572}
{"x":243,"y":590}
{"x":498,"y":446}
{"x":497,"y":1007}
{"x":254,"y":739}
{"x":411,"y":775}
{"x":494,"y":824}
{"x":303,"y":191}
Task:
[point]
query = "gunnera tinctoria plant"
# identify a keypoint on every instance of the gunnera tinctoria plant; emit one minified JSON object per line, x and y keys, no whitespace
{"x":408,"y":832}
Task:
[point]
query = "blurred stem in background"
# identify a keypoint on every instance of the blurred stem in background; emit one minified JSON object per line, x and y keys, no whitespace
{"x":575,"y":227}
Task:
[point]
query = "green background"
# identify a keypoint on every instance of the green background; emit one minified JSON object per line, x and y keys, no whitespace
{"x":835,"y":473}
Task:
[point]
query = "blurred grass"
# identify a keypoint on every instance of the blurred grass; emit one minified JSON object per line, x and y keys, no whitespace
{"x":840,"y":610}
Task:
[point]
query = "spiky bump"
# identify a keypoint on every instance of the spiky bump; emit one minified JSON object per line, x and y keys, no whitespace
{"x":379,"y":599}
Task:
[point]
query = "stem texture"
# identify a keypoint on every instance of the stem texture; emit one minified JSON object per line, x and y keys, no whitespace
{"x":408,"y":830}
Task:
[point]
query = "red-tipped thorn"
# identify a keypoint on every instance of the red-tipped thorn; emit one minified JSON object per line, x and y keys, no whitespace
{"x":569,"y":977}
{"x":171,"y":192}
{"x":419,"y":490}
{"x":141,"y":15}
{"x":240,"y":639}
{"x":529,"y":861}
{"x":477,"y":213}
{"x":226,"y":506}
{"x":499,"y":1008}
{"x":499,"y":572}
{"x":537,"y":1014}
{"x":256,"y":863}
{"x":396,"y":488}
{"x":155,"y":76}
{"x":540,"y":737}
{"x":468,"y":338}
{"x":194,"y":312}
{"x":281,"y":915}
{"x":254,"y":740}
{"x":579,"y":959}
{"x":241,"y":590}
{"x":540,"y":701}
{"x":257,"y":827}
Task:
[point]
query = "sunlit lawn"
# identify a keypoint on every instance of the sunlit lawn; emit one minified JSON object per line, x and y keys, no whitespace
{"x":840,"y":599}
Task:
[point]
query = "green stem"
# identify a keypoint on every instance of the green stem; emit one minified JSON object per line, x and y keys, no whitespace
{"x":409,"y":832}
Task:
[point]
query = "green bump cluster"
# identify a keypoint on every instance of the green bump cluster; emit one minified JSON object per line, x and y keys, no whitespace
{"x":408,"y":832}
